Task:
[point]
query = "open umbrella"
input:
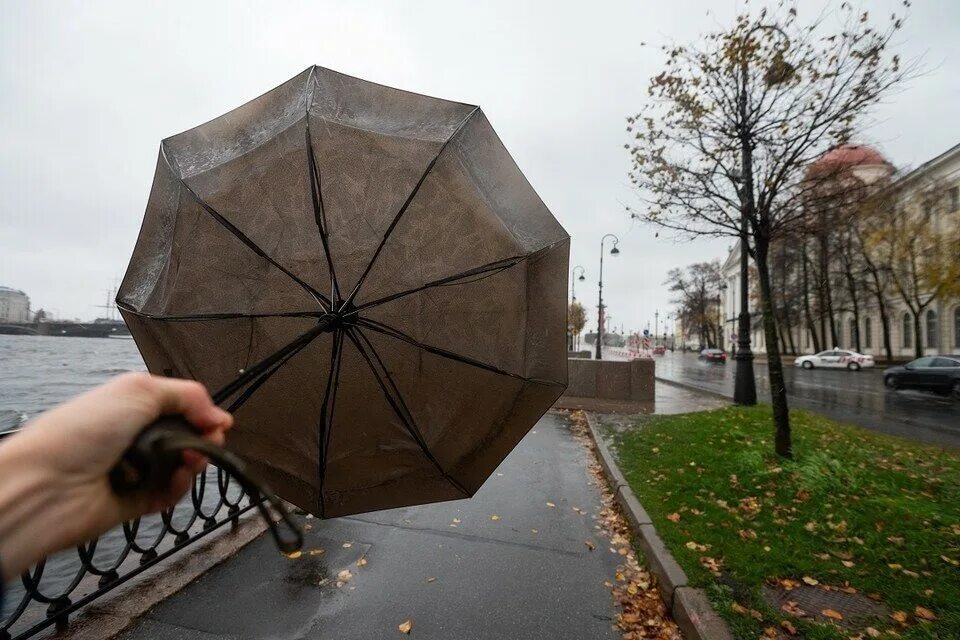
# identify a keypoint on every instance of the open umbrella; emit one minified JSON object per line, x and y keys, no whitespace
{"x":369,"y":282}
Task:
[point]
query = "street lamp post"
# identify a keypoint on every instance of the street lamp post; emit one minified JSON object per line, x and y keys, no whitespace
{"x":745,"y":388}
{"x":720,"y":330}
{"x":573,"y":298}
{"x":614,"y":252}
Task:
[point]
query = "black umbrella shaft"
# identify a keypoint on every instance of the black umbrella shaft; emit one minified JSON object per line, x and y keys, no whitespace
{"x":326,"y":323}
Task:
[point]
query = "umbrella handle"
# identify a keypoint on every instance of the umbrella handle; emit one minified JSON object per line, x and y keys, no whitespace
{"x":156,"y":454}
{"x":147,"y":465}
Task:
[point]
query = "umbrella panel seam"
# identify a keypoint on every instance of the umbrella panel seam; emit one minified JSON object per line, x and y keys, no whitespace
{"x":401,"y":410}
{"x":253,"y":246}
{"x":406,"y":205}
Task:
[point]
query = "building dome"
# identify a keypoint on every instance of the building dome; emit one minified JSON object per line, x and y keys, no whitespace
{"x":863,"y":161}
{"x":850,"y":155}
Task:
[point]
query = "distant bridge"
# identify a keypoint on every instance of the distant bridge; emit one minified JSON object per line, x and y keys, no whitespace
{"x":18,"y":330}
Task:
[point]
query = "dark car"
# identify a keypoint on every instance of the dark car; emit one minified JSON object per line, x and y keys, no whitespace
{"x":932,"y":373}
{"x":714,"y":355}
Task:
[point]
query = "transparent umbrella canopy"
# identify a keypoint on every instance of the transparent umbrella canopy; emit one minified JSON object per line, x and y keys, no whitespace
{"x":367,"y":279}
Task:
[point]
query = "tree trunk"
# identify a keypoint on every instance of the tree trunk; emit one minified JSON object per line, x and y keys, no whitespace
{"x":811,"y":325}
{"x":852,"y":288}
{"x":778,"y":388}
{"x":917,"y":333}
{"x":885,"y":326}
{"x":882,"y":308}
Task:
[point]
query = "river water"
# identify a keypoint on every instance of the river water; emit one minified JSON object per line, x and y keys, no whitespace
{"x":39,"y":372}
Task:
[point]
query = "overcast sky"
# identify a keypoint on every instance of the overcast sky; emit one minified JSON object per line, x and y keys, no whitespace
{"x":88,"y":90}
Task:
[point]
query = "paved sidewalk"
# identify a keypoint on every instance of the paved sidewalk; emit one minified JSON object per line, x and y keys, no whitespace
{"x":493,"y":579}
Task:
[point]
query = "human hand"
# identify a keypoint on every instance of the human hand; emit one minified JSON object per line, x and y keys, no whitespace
{"x":54,"y":490}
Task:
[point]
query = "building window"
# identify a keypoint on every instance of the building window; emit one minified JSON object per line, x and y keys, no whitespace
{"x":906,"y":339}
{"x":933,"y":330}
{"x":956,"y":327}
{"x":853,"y":333}
{"x":867,"y":333}
{"x":954,"y":198}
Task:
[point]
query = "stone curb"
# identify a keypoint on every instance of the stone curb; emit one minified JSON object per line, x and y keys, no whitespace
{"x":689,"y":606}
{"x":693,"y":387}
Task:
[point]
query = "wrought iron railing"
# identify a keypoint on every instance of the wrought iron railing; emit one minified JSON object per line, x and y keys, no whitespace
{"x":65,"y":583}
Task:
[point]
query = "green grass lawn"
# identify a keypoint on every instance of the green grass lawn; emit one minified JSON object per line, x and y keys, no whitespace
{"x":854,"y":509}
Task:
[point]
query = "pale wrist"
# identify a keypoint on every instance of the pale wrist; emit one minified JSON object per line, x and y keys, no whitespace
{"x":31,"y":511}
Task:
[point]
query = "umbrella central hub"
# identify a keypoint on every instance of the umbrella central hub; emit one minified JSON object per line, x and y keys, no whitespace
{"x":341,"y":317}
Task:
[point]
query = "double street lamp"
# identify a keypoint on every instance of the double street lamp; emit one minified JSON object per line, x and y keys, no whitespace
{"x":614,"y":252}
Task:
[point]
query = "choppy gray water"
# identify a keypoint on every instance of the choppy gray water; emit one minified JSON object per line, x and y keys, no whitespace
{"x":38,"y":372}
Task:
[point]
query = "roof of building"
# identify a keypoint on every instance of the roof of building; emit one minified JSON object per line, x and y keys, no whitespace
{"x":850,"y":155}
{"x":949,"y":155}
{"x":4,"y":289}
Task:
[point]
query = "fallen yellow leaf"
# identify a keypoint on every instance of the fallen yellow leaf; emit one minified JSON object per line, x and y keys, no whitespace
{"x":293,"y":555}
{"x":551,"y":505}
{"x":926,"y":614}
{"x":494,"y":517}
{"x":833,"y":615}
{"x":811,"y":581}
{"x":674,"y":517}
{"x":406,"y":626}
{"x":590,"y":545}
{"x":361,"y":562}
{"x":344,"y":576}
{"x":899,"y":616}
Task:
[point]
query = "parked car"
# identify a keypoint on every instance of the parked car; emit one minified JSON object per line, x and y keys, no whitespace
{"x":932,"y":373}
{"x":659,"y":350}
{"x":714,"y":355}
{"x":835,"y":359}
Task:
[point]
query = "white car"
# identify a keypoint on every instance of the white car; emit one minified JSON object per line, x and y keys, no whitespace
{"x":835,"y":359}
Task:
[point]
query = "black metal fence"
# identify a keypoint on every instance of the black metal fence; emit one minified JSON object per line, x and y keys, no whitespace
{"x":64,"y":583}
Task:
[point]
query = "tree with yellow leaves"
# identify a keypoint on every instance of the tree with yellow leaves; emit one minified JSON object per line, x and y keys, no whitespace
{"x":917,"y":241}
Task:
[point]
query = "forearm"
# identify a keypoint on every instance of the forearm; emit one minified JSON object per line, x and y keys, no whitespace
{"x":33,"y":517}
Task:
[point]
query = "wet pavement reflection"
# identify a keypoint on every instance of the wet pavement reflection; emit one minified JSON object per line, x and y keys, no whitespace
{"x":858,"y":397}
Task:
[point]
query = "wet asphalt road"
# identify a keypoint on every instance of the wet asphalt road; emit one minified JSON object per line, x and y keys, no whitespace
{"x":493,"y":579}
{"x":858,"y":397}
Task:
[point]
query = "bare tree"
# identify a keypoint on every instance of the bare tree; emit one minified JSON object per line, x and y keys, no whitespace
{"x":698,"y":292}
{"x":733,"y":120}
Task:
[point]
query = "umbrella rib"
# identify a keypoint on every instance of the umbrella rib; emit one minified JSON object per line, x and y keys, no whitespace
{"x":486,"y":270}
{"x":406,"y":204}
{"x":399,"y":406}
{"x":321,"y":299}
{"x":329,"y":400}
{"x":319,"y":211}
{"x":197,"y":317}
{"x":259,"y":382}
{"x":387,"y":330}
{"x":323,"y":325}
